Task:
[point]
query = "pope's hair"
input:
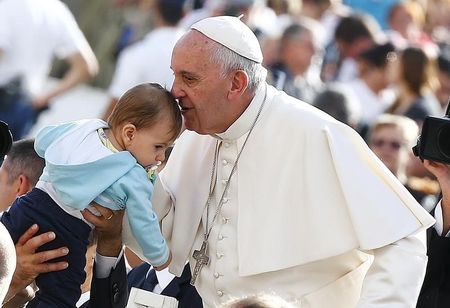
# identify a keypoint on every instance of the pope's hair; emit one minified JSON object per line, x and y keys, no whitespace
{"x":230,"y":61}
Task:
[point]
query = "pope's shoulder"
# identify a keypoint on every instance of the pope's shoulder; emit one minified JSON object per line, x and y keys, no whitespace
{"x":298,"y":114}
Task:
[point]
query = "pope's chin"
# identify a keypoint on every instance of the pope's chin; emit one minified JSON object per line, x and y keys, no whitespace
{"x":189,"y":124}
{"x":193,"y":126}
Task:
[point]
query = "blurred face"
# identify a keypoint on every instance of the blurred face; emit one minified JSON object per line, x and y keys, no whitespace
{"x":148,"y":145}
{"x":298,"y":53}
{"x":8,"y":192}
{"x":388,"y":144}
{"x":443,"y":93}
{"x":199,"y":87}
{"x":401,"y":21}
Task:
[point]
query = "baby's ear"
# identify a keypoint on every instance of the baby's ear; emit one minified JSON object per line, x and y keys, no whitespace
{"x":128,"y":133}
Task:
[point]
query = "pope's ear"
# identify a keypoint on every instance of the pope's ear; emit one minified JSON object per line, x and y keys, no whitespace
{"x":128,"y":133}
{"x":239,"y":83}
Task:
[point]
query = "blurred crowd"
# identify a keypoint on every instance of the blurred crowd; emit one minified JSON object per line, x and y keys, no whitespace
{"x":354,"y":59}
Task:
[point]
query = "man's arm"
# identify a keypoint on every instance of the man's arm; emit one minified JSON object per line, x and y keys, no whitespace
{"x":31,"y":263}
{"x":82,"y":68}
{"x":110,"y":289}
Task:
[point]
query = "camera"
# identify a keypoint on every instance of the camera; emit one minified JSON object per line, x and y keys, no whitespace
{"x":434,"y":141}
{"x":5,"y":139}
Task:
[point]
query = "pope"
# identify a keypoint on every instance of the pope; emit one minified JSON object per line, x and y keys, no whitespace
{"x":264,"y":193}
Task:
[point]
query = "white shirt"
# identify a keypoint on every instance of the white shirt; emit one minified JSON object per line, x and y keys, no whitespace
{"x":104,"y":265}
{"x":370,"y":104}
{"x":146,"y":61}
{"x":31,"y":34}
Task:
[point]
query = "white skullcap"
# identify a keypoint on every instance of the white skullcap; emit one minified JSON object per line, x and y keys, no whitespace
{"x":232,"y":33}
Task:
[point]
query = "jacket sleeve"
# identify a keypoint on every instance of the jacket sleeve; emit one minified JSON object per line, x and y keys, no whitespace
{"x":143,"y":222}
{"x":111,"y":291}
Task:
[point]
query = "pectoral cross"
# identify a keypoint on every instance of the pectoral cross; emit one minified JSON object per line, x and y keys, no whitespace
{"x":201,"y":259}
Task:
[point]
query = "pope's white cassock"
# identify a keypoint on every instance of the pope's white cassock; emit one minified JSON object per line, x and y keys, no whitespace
{"x":310,"y":214}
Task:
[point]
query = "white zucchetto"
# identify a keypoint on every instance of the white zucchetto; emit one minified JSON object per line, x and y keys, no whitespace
{"x":232,"y":33}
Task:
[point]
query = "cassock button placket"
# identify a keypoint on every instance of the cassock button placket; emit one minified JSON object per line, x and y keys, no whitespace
{"x":224,"y":182}
{"x":216,"y":275}
{"x":225,"y":200}
{"x":224,"y":162}
{"x":225,"y":220}
{"x":219,"y":293}
{"x":219,"y":255}
{"x":226,"y":144}
{"x":221,"y":237}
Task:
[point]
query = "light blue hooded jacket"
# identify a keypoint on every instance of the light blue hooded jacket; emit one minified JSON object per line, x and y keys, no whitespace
{"x":115,"y":181}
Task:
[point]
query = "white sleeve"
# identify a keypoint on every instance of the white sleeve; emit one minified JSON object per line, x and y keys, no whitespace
{"x":126,"y":74}
{"x":396,"y":275}
{"x":104,"y":265}
{"x":5,"y":31}
{"x":70,"y":38}
{"x":439,"y":225}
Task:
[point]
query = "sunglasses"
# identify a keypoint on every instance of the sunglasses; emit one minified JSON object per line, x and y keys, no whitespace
{"x":395,"y":145}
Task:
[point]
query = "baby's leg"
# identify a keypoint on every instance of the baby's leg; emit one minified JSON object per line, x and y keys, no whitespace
{"x":62,"y":288}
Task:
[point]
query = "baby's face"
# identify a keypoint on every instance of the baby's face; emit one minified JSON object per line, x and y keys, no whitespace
{"x":149,"y":144}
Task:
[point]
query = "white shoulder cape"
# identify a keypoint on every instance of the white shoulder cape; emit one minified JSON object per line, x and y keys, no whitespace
{"x":309,"y":188}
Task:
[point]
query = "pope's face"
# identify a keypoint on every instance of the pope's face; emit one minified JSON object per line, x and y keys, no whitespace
{"x":198,"y":85}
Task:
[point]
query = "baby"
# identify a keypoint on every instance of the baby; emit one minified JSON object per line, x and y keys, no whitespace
{"x":109,"y":163}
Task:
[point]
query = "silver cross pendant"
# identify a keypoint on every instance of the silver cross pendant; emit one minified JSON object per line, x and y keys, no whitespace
{"x":201,"y":259}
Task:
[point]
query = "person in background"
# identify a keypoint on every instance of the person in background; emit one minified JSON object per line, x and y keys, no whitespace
{"x":372,"y":86}
{"x":7,"y":261}
{"x":406,"y":21}
{"x":149,"y":60}
{"x":328,"y":13}
{"x":19,"y":172}
{"x":391,"y":138}
{"x":443,"y":91}
{"x":415,"y":80}
{"x":24,"y":26}
{"x":435,"y":292}
{"x":354,"y":34}
{"x":338,"y":102}
{"x":298,"y":49}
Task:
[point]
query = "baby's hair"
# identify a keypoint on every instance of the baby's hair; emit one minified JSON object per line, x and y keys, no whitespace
{"x":143,"y":106}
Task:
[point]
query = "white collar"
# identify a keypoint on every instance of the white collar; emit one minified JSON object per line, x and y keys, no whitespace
{"x":164,"y":277}
{"x":245,"y":121}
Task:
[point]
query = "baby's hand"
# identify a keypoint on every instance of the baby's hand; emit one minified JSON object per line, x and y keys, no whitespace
{"x":161,"y":267}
